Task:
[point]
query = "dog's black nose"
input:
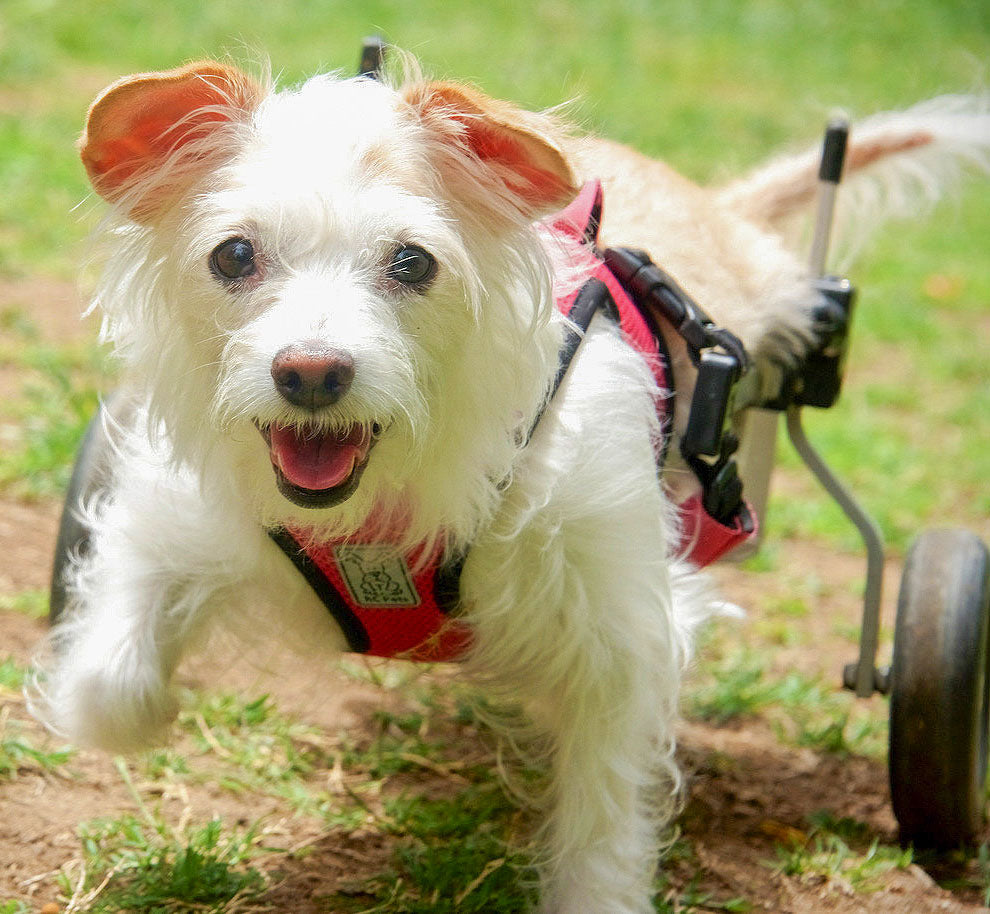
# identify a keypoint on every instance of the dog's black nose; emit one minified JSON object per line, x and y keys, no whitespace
{"x":312,"y":376}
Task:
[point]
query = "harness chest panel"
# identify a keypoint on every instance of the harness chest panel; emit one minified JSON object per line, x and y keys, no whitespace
{"x":387,"y":603}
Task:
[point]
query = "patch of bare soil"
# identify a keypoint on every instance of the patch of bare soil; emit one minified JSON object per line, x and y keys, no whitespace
{"x":748,"y":794}
{"x":54,"y":306}
{"x":27,"y":535}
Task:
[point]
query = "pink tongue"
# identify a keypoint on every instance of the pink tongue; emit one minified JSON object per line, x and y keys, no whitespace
{"x":317,"y":460}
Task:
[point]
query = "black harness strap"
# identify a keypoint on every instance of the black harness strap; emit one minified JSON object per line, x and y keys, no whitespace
{"x":592,"y":297}
{"x":357,"y":638}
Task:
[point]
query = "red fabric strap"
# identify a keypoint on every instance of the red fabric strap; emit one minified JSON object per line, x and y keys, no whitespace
{"x":580,"y":220}
{"x":705,"y":540}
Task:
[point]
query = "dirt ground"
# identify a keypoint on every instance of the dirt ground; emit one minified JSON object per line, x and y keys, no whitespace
{"x":748,"y":790}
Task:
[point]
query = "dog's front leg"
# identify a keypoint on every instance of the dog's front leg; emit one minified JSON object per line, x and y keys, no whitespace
{"x":610,"y":790}
{"x":154,"y":566}
{"x":582,"y":633}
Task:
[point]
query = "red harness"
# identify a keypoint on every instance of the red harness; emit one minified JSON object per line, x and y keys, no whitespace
{"x":387,"y":603}
{"x":390,"y":604}
{"x":580,"y":221}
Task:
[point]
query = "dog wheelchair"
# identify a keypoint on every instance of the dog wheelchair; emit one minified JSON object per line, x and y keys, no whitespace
{"x":939,"y":679}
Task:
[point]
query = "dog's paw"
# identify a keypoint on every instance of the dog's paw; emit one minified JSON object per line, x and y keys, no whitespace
{"x":829,"y":322}
{"x":815,"y":329}
{"x":96,"y":708}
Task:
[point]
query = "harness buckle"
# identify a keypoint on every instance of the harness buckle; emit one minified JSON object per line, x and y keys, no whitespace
{"x":721,"y":485}
{"x":721,"y":359}
{"x":648,"y":284}
{"x":711,"y":404}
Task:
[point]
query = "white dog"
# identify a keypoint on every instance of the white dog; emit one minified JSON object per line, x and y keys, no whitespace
{"x":335,"y":309}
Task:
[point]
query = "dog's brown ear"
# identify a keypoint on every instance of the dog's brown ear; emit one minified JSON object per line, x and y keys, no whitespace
{"x":145,"y":134}
{"x":515,"y":146}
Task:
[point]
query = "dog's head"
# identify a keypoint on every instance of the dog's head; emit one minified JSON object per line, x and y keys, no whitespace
{"x":334,"y":295}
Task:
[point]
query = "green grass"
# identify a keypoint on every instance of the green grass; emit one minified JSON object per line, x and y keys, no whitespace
{"x":710,"y":86}
{"x":11,"y":674}
{"x":261,"y":751}
{"x":452,"y":856}
{"x":829,"y":858}
{"x":736,"y":682}
{"x":909,"y":434}
{"x":145,"y":867}
{"x":59,"y":395}
{"x":144,"y":863}
{"x":253,"y":748}
{"x":14,"y":907}
{"x":458,"y":844}
{"x":32,"y":603}
{"x":18,"y":754}
{"x":695,"y":901}
{"x":397,"y":746}
{"x":451,"y":853}
{"x":842,"y":854}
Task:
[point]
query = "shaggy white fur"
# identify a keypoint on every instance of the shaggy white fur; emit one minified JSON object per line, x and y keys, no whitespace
{"x":581,"y":612}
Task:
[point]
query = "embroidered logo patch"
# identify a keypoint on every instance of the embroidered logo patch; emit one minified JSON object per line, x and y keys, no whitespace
{"x":376,"y":575}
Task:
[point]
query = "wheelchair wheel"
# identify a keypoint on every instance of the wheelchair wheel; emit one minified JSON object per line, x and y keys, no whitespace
{"x":90,"y":472}
{"x":940,"y":690}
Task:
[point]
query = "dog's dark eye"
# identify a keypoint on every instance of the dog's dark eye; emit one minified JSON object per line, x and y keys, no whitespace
{"x":233,"y":259}
{"x":412,"y":266}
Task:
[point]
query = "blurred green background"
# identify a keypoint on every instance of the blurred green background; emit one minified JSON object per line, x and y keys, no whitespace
{"x":713,"y":86}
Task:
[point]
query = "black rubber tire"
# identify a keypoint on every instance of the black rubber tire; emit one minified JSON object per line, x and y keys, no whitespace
{"x":940,"y":690}
{"x":91,"y":470}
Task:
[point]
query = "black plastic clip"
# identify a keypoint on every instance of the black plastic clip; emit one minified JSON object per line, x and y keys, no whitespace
{"x":708,"y":444}
{"x":721,"y":485}
{"x":711,"y":405}
{"x":820,"y":378}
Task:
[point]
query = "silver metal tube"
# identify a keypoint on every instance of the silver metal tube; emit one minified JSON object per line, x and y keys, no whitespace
{"x":829,"y":175}
{"x":757,"y":449}
{"x":823,"y":227}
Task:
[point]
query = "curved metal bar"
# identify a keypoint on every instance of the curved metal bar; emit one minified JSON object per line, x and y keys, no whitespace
{"x":863,"y":676}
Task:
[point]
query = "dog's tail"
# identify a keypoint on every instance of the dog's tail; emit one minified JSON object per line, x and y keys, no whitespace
{"x":896,"y":164}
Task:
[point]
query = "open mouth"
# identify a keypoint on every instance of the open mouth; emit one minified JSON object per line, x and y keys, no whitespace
{"x":318,"y":469}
